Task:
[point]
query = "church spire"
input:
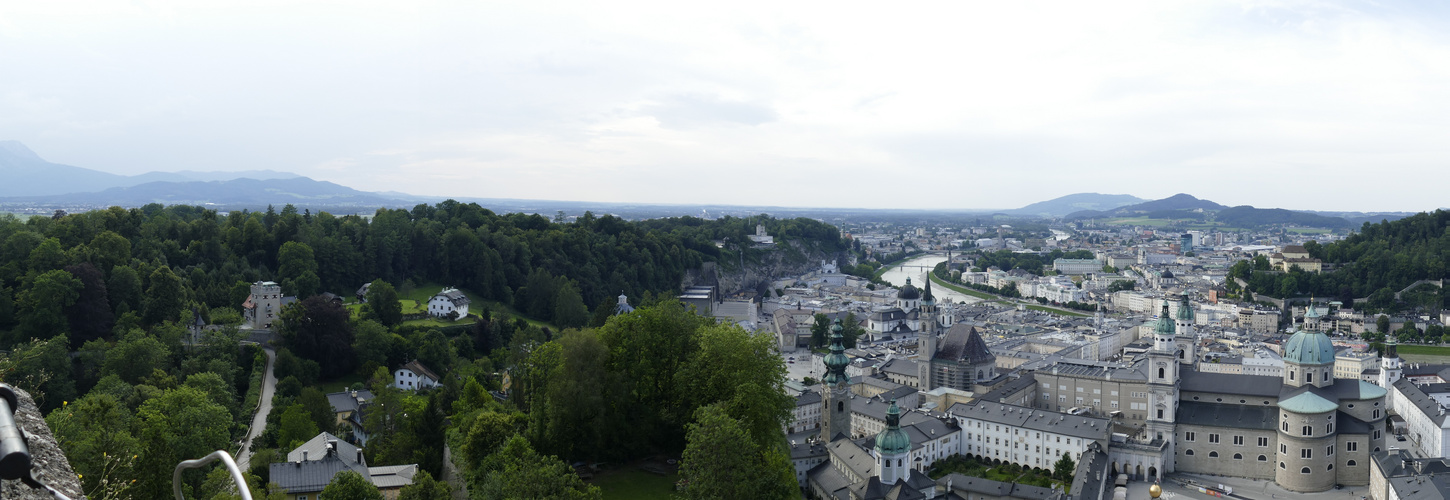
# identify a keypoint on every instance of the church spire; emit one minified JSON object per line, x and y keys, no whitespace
{"x":836,"y":361}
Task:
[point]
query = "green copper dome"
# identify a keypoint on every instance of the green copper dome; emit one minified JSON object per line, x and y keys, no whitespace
{"x":1185,"y":309}
{"x":1309,"y":348}
{"x":893,"y":440}
{"x":836,"y":361}
{"x":1165,"y":323}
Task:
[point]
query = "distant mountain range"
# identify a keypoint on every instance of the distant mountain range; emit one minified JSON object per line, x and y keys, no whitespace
{"x":1184,"y":206}
{"x":30,"y":181}
{"x":1058,"y":207}
{"x":27,"y":174}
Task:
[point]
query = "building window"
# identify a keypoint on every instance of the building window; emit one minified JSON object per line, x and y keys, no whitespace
{"x":1263,"y":458}
{"x":1238,"y":440}
{"x":1309,"y":377}
{"x":1304,"y":470}
{"x":1330,"y":450}
{"x":1331,"y":467}
{"x":1160,"y":414}
{"x":1376,"y":414}
{"x":1307,"y":430}
{"x":1351,"y":446}
{"x":1160,"y":373}
{"x":1329,"y":428}
{"x":1188,"y":452}
{"x":1349,"y":463}
{"x":1286,"y":426}
{"x":1283,"y":448}
{"x":1212,"y":454}
{"x":1238,"y":456}
{"x":1281,"y":465}
{"x":1263,"y":442}
{"x":1376,"y":435}
{"x":1188,"y":436}
{"x":1306,"y":453}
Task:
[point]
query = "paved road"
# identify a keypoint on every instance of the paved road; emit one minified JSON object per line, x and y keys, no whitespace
{"x":259,"y":422}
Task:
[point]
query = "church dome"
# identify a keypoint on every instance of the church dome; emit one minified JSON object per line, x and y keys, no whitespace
{"x":908,"y":292}
{"x":1167,"y":275}
{"x":893,"y":440}
{"x":1165,"y":324}
{"x":1309,"y":348}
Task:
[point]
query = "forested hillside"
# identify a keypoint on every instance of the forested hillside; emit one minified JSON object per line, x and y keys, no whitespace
{"x":95,"y":309}
{"x":1378,"y":261}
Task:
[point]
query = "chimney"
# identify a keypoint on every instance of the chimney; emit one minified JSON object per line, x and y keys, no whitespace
{"x":360,"y":456}
{"x":304,"y":455}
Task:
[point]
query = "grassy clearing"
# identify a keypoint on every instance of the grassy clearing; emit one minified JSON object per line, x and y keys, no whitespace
{"x":631,"y":483}
{"x":415,"y":301}
{"x":351,"y":380}
{"x":1429,"y":350}
{"x":961,"y":289}
{"x":1055,"y":311}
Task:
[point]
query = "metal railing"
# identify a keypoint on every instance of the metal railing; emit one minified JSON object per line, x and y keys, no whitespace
{"x":227,"y":461}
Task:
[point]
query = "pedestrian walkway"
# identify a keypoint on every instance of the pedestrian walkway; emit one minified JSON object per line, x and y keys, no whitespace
{"x":1258,"y":489}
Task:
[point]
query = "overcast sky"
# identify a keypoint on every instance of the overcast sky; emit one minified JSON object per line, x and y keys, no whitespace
{"x":982,"y":104}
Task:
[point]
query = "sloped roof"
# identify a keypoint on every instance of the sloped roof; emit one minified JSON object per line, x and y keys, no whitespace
{"x":312,"y":475}
{"x":392,"y":476}
{"x":316,"y":448}
{"x":454,"y":296}
{"x":1308,"y":402}
{"x":962,"y":343}
{"x":1227,"y":415}
{"x":1230,"y":383}
{"x":421,"y":370}
{"x":346,"y":401}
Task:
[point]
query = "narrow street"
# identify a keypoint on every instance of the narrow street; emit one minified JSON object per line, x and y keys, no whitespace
{"x":259,"y":422}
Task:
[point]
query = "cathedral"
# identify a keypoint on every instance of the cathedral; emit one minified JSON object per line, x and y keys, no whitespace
{"x":906,"y":317}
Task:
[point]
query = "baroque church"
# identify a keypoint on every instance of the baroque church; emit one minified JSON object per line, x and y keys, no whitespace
{"x":906,"y":317}
{"x":1306,"y":431}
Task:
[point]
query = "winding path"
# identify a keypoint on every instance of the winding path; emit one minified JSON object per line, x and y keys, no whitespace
{"x":259,"y":421}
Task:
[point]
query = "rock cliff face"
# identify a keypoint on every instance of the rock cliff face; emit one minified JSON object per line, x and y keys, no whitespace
{"x":47,"y":460}
{"x":786,"y":260}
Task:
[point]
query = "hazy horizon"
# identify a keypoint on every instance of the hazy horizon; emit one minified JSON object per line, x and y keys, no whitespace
{"x":945,"y":106}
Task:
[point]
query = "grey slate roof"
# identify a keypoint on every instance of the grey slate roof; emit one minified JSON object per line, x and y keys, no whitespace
{"x":1350,"y":425}
{"x":455,"y":296}
{"x":317,"y":448}
{"x":1098,"y":370}
{"x":1426,"y":404}
{"x":345,"y":401}
{"x":393,"y":476}
{"x":963,"y":344}
{"x":900,"y":366}
{"x":808,"y":398}
{"x":989,"y":488}
{"x":1035,"y":419}
{"x":1026,"y":381}
{"x":1233,"y":416}
{"x":1230,"y":383}
{"x":312,"y":475}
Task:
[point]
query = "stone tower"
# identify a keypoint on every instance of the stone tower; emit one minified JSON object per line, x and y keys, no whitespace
{"x":1391,"y":368}
{"x":1163,"y":384}
{"x":1188,"y":340}
{"x":836,"y":390}
{"x":926,"y":340}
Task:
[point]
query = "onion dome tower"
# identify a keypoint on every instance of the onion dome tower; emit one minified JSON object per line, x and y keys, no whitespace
{"x":893,"y":449}
{"x":836,"y":389}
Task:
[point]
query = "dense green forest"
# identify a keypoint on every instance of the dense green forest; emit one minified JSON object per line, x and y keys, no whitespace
{"x":1374,"y":263}
{"x":95,"y":310}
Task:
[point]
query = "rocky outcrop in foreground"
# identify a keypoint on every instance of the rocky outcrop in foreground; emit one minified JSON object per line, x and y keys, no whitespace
{"x":47,"y":460}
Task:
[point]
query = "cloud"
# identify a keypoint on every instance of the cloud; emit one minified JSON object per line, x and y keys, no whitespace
{"x":993,"y":104}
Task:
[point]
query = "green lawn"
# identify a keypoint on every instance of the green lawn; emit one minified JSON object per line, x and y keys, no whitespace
{"x":1056,"y":311}
{"x":961,"y":289}
{"x":416,"y":302}
{"x":1423,"y":349}
{"x":351,"y":380}
{"x":631,"y":483}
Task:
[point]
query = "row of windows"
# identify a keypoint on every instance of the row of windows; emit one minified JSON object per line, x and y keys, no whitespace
{"x":1191,"y":436}
{"x":1306,"y":470}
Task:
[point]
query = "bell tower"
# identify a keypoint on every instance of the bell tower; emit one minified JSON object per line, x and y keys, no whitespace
{"x":926,"y":340}
{"x":836,"y":389}
{"x":1163,"y":383}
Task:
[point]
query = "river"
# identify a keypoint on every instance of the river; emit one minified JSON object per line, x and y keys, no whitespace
{"x":897,"y":276}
